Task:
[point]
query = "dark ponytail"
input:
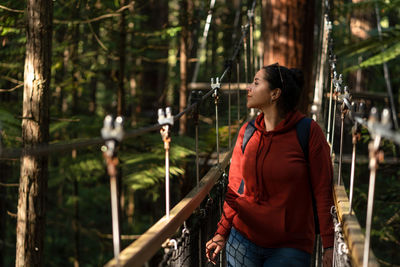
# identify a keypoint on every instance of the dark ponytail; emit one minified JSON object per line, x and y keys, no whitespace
{"x":290,"y":81}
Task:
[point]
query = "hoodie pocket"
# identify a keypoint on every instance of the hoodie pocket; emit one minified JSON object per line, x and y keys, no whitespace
{"x":262,"y":218}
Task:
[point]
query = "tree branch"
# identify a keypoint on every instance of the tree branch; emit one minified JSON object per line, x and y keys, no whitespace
{"x":11,"y":79}
{"x":11,"y":10}
{"x":9,"y":185}
{"x":105,"y":16}
{"x":12,"y":89}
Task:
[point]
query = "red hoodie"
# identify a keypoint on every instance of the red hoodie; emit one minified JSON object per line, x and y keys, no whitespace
{"x":275,"y":209}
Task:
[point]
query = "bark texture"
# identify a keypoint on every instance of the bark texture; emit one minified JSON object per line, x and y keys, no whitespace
{"x":183,"y":65}
{"x":287,"y":31}
{"x":35,"y":130}
{"x":122,"y":53}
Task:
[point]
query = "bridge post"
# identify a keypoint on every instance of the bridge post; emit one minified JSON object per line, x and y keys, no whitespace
{"x":196,"y":97}
{"x":375,"y":156}
{"x":167,"y":120}
{"x":112,"y":132}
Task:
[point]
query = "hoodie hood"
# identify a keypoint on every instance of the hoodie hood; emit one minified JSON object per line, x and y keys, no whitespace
{"x":290,"y":121}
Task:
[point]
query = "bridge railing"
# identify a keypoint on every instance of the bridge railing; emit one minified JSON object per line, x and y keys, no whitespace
{"x":352,"y":244}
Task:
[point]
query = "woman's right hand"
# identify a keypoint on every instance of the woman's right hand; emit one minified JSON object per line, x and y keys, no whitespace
{"x":214,"y":246}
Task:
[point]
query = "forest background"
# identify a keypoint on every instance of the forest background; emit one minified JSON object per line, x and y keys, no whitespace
{"x":132,"y":57}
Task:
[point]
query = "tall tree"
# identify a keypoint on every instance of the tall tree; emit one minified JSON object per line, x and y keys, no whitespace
{"x":183,"y":64}
{"x":287,"y":30}
{"x":361,"y":23}
{"x":3,"y":169}
{"x":35,"y":130}
{"x":122,"y":52}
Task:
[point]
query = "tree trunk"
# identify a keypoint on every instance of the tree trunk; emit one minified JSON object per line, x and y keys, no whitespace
{"x":287,"y":30}
{"x":183,"y":65}
{"x":4,"y":169}
{"x":93,"y":79}
{"x":361,"y":22}
{"x":122,"y":52}
{"x":35,"y":130}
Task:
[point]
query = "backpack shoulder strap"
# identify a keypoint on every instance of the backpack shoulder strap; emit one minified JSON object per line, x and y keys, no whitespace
{"x":248,"y":133}
{"x":303,"y":133}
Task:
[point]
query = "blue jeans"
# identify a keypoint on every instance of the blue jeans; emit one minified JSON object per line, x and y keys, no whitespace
{"x":242,"y":252}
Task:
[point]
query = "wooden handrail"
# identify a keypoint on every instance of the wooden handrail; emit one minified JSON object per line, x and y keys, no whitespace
{"x":352,"y":232}
{"x":140,"y":251}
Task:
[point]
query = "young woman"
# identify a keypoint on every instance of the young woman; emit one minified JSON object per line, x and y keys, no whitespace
{"x":268,"y":217}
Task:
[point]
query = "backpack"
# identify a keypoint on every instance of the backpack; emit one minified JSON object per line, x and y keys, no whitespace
{"x":303,"y":133}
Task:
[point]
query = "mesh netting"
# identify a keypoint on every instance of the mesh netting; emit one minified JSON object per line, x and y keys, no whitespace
{"x":187,"y":248}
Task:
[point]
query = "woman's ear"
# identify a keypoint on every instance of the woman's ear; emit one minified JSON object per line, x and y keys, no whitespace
{"x":275,"y":94}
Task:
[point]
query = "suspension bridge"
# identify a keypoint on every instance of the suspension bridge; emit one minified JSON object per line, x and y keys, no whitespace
{"x":182,"y":233}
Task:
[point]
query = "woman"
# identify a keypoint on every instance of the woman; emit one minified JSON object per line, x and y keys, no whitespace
{"x":268,"y":212}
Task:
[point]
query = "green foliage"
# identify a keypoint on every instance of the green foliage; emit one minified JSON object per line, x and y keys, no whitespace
{"x":10,"y":128}
{"x":145,"y":169}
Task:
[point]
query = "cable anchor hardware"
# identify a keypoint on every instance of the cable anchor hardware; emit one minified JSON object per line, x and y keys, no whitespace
{"x":113,"y":133}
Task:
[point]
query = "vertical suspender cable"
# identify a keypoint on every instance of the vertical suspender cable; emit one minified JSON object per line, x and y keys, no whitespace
{"x":337,"y":92}
{"x":197,"y":154}
{"x":370,"y":204}
{"x":333,"y":77}
{"x":344,"y":109}
{"x":386,"y":73}
{"x":216,"y":86}
{"x":353,"y":165}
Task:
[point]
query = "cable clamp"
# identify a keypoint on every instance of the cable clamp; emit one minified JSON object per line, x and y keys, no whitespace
{"x":215,"y":86}
{"x":113,"y":133}
{"x":166,"y":119}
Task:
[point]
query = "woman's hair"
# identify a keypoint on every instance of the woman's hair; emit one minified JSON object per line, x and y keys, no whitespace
{"x":290,"y":81}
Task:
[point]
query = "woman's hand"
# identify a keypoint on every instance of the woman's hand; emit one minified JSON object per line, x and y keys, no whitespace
{"x":214,"y":246}
{"x":327,"y":258}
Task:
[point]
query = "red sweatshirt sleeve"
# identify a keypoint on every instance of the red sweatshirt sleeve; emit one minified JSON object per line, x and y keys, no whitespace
{"x":235,"y":178}
{"x":321,"y":172}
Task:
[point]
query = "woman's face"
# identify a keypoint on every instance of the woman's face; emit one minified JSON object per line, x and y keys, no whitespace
{"x":258,"y":92}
